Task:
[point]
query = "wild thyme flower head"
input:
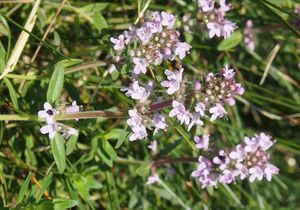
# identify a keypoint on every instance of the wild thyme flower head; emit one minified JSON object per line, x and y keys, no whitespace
{"x":153,"y":41}
{"x":191,"y":101}
{"x":52,"y":127}
{"x":249,"y":159}
{"x":219,"y":88}
{"x":213,"y":14}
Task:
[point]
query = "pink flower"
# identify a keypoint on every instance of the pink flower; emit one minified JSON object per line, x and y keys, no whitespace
{"x":180,"y":112}
{"x":153,"y":146}
{"x":227,"y":177}
{"x":136,"y":92}
{"x":136,"y":123}
{"x":168,"y":20}
{"x":217,"y":111}
{"x":202,"y":142}
{"x":228,"y":28}
{"x":264,"y":141}
{"x":223,"y":6}
{"x":119,"y":43}
{"x":135,"y":119}
{"x":200,"y":108}
{"x":239,"y":89}
{"x":51,"y":129}
{"x":159,"y":122}
{"x":206,"y":5}
{"x":72,"y":109}
{"x":270,"y":170}
{"x":47,"y":113}
{"x":155,"y":26}
{"x":69,"y":132}
{"x":222,"y":160}
{"x":241,"y":171}
{"x":173,"y":82}
{"x":238,"y":154}
{"x":153,"y":179}
{"x":251,"y":144}
{"x":141,"y":65}
{"x":195,"y":119}
{"x":227,"y":73}
{"x":214,"y":29}
{"x":182,"y":49}
{"x":138,"y":133}
{"x":256,"y":173}
{"x":144,"y":34}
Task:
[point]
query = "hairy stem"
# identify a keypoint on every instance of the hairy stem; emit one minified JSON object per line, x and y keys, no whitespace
{"x":164,"y":161}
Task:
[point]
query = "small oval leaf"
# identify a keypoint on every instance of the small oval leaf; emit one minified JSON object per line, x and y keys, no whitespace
{"x":56,"y":83}
{"x":231,"y":41}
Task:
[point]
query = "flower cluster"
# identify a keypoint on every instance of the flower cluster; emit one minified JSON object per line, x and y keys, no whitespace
{"x":140,"y":117}
{"x":210,"y":95}
{"x":208,"y":99}
{"x":214,"y":18}
{"x":151,"y":43}
{"x":52,"y":127}
{"x":248,"y":35}
{"x":249,"y":159}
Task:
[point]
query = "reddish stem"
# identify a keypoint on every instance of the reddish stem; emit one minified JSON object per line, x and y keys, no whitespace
{"x":108,"y":114}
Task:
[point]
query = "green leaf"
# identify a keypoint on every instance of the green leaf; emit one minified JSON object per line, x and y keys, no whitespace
{"x":45,"y":183}
{"x":105,"y":156}
{"x":43,"y":205}
{"x":143,"y":169}
{"x":7,"y":32}
{"x":113,"y":191}
{"x":64,"y":203}
{"x":121,"y":139}
{"x":71,"y":62}
{"x":231,"y":41}
{"x":115,"y":133}
{"x":124,"y":69}
{"x":57,"y":39}
{"x":71,"y":144}
{"x":99,"y":21}
{"x":2,"y":57}
{"x":24,"y":188}
{"x":80,"y":185}
{"x":56,"y":83}
{"x":58,"y":150}
{"x":1,"y":132}
{"x":12,"y":93}
{"x":94,"y":6}
{"x":115,"y":75}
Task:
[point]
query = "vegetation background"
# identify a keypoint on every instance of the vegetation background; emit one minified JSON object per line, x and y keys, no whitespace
{"x":102,"y":169}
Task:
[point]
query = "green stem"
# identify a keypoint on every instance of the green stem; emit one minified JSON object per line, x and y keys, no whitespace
{"x":15,"y":117}
{"x":84,"y":115}
{"x":90,"y":115}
